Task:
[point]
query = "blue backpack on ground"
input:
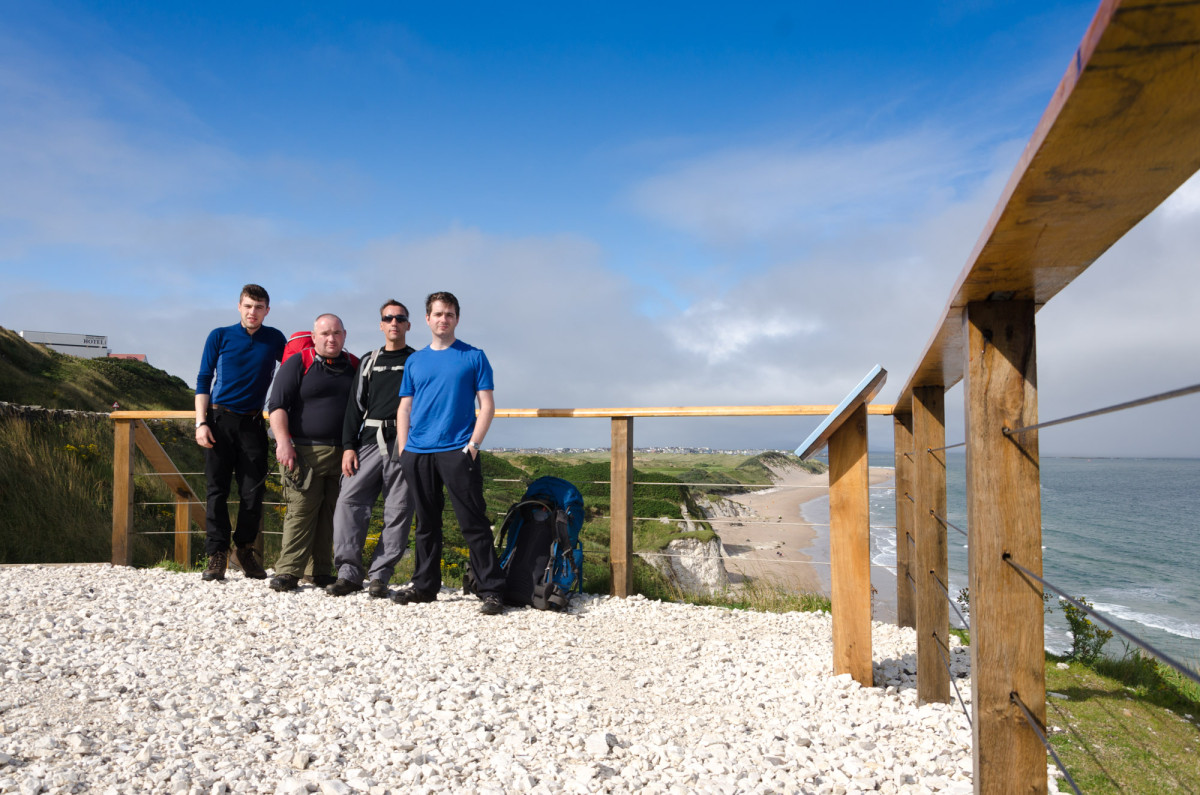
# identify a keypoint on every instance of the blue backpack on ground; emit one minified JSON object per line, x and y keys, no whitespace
{"x":539,"y":547}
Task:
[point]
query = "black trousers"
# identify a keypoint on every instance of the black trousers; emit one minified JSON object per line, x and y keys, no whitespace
{"x":239,"y":450}
{"x":459,"y":473}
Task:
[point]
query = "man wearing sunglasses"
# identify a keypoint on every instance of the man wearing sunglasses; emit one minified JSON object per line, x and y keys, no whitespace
{"x":370,"y":464}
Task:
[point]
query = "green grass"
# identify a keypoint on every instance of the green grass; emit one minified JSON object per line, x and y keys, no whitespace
{"x":1124,"y":726}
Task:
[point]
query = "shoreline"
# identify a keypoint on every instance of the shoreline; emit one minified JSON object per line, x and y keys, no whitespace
{"x":779,"y":543}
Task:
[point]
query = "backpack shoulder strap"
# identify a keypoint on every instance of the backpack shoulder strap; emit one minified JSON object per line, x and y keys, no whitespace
{"x":308,"y":356}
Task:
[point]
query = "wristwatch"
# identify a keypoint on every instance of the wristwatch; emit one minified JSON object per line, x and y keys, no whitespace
{"x":200,"y":423}
{"x":473,"y":446}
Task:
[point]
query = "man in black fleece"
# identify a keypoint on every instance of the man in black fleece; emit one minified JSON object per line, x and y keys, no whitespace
{"x":371,"y":464}
{"x":307,"y":404}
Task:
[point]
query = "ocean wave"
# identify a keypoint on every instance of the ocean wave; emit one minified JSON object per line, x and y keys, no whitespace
{"x":1175,"y":626}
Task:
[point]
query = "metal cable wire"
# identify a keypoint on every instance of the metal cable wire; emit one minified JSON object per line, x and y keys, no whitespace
{"x":1174,"y":393}
{"x":949,"y":598}
{"x":1162,"y":656}
{"x":738,"y":558}
{"x":733,"y":485}
{"x":910,"y":498}
{"x":950,"y":672}
{"x":732,"y":520}
{"x":947,"y":447}
{"x":911,"y":583}
{"x":1033,"y":724}
{"x":948,"y":523}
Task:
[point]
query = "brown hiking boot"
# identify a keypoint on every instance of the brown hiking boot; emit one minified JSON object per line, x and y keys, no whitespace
{"x":216,"y":566}
{"x":246,"y":558}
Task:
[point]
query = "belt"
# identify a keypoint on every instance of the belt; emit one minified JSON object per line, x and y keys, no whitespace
{"x":227,"y":410}
{"x":379,"y":425}
{"x":316,"y":442}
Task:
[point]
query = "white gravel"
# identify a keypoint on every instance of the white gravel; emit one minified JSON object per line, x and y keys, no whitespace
{"x":123,"y":680}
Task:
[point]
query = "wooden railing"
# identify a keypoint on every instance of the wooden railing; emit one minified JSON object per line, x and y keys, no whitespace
{"x":1122,"y":133}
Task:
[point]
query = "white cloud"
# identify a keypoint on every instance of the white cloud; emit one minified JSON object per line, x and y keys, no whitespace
{"x":716,"y":331}
{"x":804,"y":192}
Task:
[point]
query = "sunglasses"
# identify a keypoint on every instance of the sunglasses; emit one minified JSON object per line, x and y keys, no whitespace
{"x":397,"y":318}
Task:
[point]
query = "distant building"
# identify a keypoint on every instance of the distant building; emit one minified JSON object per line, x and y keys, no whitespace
{"x":87,"y":346}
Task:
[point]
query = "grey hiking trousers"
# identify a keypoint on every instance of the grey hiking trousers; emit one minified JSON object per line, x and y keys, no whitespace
{"x":352,"y":515}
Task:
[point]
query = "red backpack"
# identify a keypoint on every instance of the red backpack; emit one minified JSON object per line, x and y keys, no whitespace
{"x":302,"y":343}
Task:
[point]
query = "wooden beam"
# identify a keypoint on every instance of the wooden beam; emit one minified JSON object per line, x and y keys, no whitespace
{"x":933,"y":611}
{"x":621,"y":507}
{"x":183,"y":535}
{"x":122,"y":527}
{"x":148,"y":443}
{"x":850,"y":548}
{"x":859,"y":396}
{"x":905,"y":538}
{"x":1004,"y":519}
{"x":1120,"y":135}
{"x":642,"y":411}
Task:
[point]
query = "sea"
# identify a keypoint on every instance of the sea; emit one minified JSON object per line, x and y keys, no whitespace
{"x":1123,"y":533}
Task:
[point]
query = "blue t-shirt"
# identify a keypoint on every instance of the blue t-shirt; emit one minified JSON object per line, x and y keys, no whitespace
{"x":241,"y":364}
{"x":442,"y":385}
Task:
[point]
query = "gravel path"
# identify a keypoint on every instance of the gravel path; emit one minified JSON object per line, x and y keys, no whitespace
{"x":124,"y":680}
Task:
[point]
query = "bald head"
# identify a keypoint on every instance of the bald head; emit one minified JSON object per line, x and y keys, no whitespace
{"x":329,"y":335}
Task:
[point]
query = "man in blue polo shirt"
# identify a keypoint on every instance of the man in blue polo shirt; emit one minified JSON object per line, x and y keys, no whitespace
{"x":440,"y":434}
{"x":235,"y":373}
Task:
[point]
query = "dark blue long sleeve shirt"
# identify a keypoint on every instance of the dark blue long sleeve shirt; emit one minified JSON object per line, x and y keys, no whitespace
{"x":240,"y":364}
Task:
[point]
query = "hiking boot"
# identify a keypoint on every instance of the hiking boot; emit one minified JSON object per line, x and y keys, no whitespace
{"x":492,"y":606}
{"x":284,"y":582}
{"x":323,"y":580}
{"x":343,"y":587}
{"x":246,"y":557}
{"x":216,"y":566}
{"x":409,"y":594}
{"x":378,"y":589}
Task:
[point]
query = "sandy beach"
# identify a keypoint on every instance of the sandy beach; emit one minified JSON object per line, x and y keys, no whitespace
{"x":771,"y":539}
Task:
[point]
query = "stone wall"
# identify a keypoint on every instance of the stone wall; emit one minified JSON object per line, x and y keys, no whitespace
{"x":54,"y":415}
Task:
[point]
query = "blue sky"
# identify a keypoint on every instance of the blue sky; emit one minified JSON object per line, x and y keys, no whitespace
{"x":651,"y":204}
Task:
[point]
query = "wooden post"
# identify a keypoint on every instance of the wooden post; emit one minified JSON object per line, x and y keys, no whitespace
{"x":621,"y":507}
{"x":122,"y":532}
{"x":1004,"y":516}
{"x":903,"y":435}
{"x":930,"y":564}
{"x":850,"y":549}
{"x":183,"y":535}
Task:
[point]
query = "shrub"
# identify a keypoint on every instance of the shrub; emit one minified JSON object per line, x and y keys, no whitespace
{"x":1087,"y":639}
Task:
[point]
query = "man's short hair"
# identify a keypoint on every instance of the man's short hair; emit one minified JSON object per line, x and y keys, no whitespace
{"x":446,"y":298}
{"x":255,"y":293}
{"x":392,"y":302}
{"x":341,"y":325}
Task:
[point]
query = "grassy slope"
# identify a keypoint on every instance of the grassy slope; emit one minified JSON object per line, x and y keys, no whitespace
{"x":1133,"y":732}
{"x":35,"y":376}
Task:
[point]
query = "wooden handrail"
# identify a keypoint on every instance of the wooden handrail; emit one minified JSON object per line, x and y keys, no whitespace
{"x":1120,"y":135}
{"x":603,"y":413}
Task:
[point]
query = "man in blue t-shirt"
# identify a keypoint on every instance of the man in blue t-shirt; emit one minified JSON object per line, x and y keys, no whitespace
{"x":235,"y":373}
{"x":440,"y":434}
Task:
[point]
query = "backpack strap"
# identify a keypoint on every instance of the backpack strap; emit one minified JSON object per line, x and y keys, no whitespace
{"x":364,"y":379}
{"x":310,"y":355}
